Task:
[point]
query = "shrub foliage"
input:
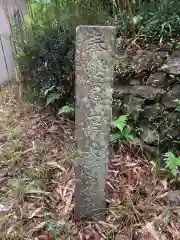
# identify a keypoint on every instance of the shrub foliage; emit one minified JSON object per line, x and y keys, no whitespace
{"x":45,"y":46}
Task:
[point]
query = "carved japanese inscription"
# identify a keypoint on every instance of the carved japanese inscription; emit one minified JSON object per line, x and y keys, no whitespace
{"x":95,"y":49}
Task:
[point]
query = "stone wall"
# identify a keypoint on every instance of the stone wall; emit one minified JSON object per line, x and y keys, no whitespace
{"x":146,"y":85}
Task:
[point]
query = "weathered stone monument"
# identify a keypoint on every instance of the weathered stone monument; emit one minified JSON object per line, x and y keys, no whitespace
{"x":95,"y":49}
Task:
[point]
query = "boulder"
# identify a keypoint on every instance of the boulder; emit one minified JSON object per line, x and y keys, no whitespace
{"x":157,"y":79}
{"x":170,"y":128}
{"x":133,"y":104}
{"x":134,"y":82}
{"x":138,"y":91}
{"x":151,"y":112}
{"x":121,"y":91}
{"x":172,"y":64}
{"x":169,"y":99}
{"x":149,"y":135}
{"x":150,"y":152}
{"x":175,"y":92}
{"x":123,"y":69}
{"x":146,"y":60}
{"x":147,"y":92}
{"x":116,"y":108}
{"x":168,"y":102}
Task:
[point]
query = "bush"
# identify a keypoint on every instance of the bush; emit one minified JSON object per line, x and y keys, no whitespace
{"x":157,"y":19}
{"x":46,"y":46}
{"x":45,"y":41}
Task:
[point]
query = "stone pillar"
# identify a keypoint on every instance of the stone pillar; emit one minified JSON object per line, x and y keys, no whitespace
{"x":95,"y":50}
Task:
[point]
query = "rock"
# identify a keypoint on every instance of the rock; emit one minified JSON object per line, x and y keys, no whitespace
{"x":150,"y":152}
{"x":174,"y":118}
{"x":157,"y":79}
{"x":127,"y":66}
{"x":121,"y":91}
{"x":168,"y":99}
{"x":175,"y":92}
{"x":146,"y":92}
{"x":134,"y":82}
{"x":133,"y":104}
{"x":151,"y":112}
{"x":172,"y":65}
{"x":174,"y":197}
{"x":123,"y":69}
{"x":147,"y":60}
{"x":116,"y":108}
{"x":171,"y":127}
{"x":149,"y":135}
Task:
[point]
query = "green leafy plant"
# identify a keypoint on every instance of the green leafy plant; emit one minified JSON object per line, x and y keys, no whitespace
{"x":52,"y":97}
{"x":178,"y":105}
{"x":50,"y":227}
{"x":172,"y":163}
{"x":157,"y":19}
{"x":45,"y":46}
{"x":123,"y":129}
{"x":66,"y":109}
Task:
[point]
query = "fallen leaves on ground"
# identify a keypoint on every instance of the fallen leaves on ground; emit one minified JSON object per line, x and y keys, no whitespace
{"x":37,"y":184}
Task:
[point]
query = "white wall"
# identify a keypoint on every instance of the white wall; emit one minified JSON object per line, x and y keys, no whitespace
{"x":6,"y":57}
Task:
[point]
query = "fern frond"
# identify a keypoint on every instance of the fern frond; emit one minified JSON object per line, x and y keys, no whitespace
{"x":52,"y":97}
{"x":120,"y":123}
{"x":66,"y":109}
{"x":172,"y":162}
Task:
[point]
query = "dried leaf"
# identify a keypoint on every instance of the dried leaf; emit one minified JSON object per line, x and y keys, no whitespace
{"x":37,"y":227}
{"x":4,"y":209}
{"x":107,"y":224}
{"x":151,"y":229}
{"x":121,"y":237}
{"x":46,"y":236}
{"x":68,"y":203}
{"x":35,"y":213}
{"x":56,"y":165}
